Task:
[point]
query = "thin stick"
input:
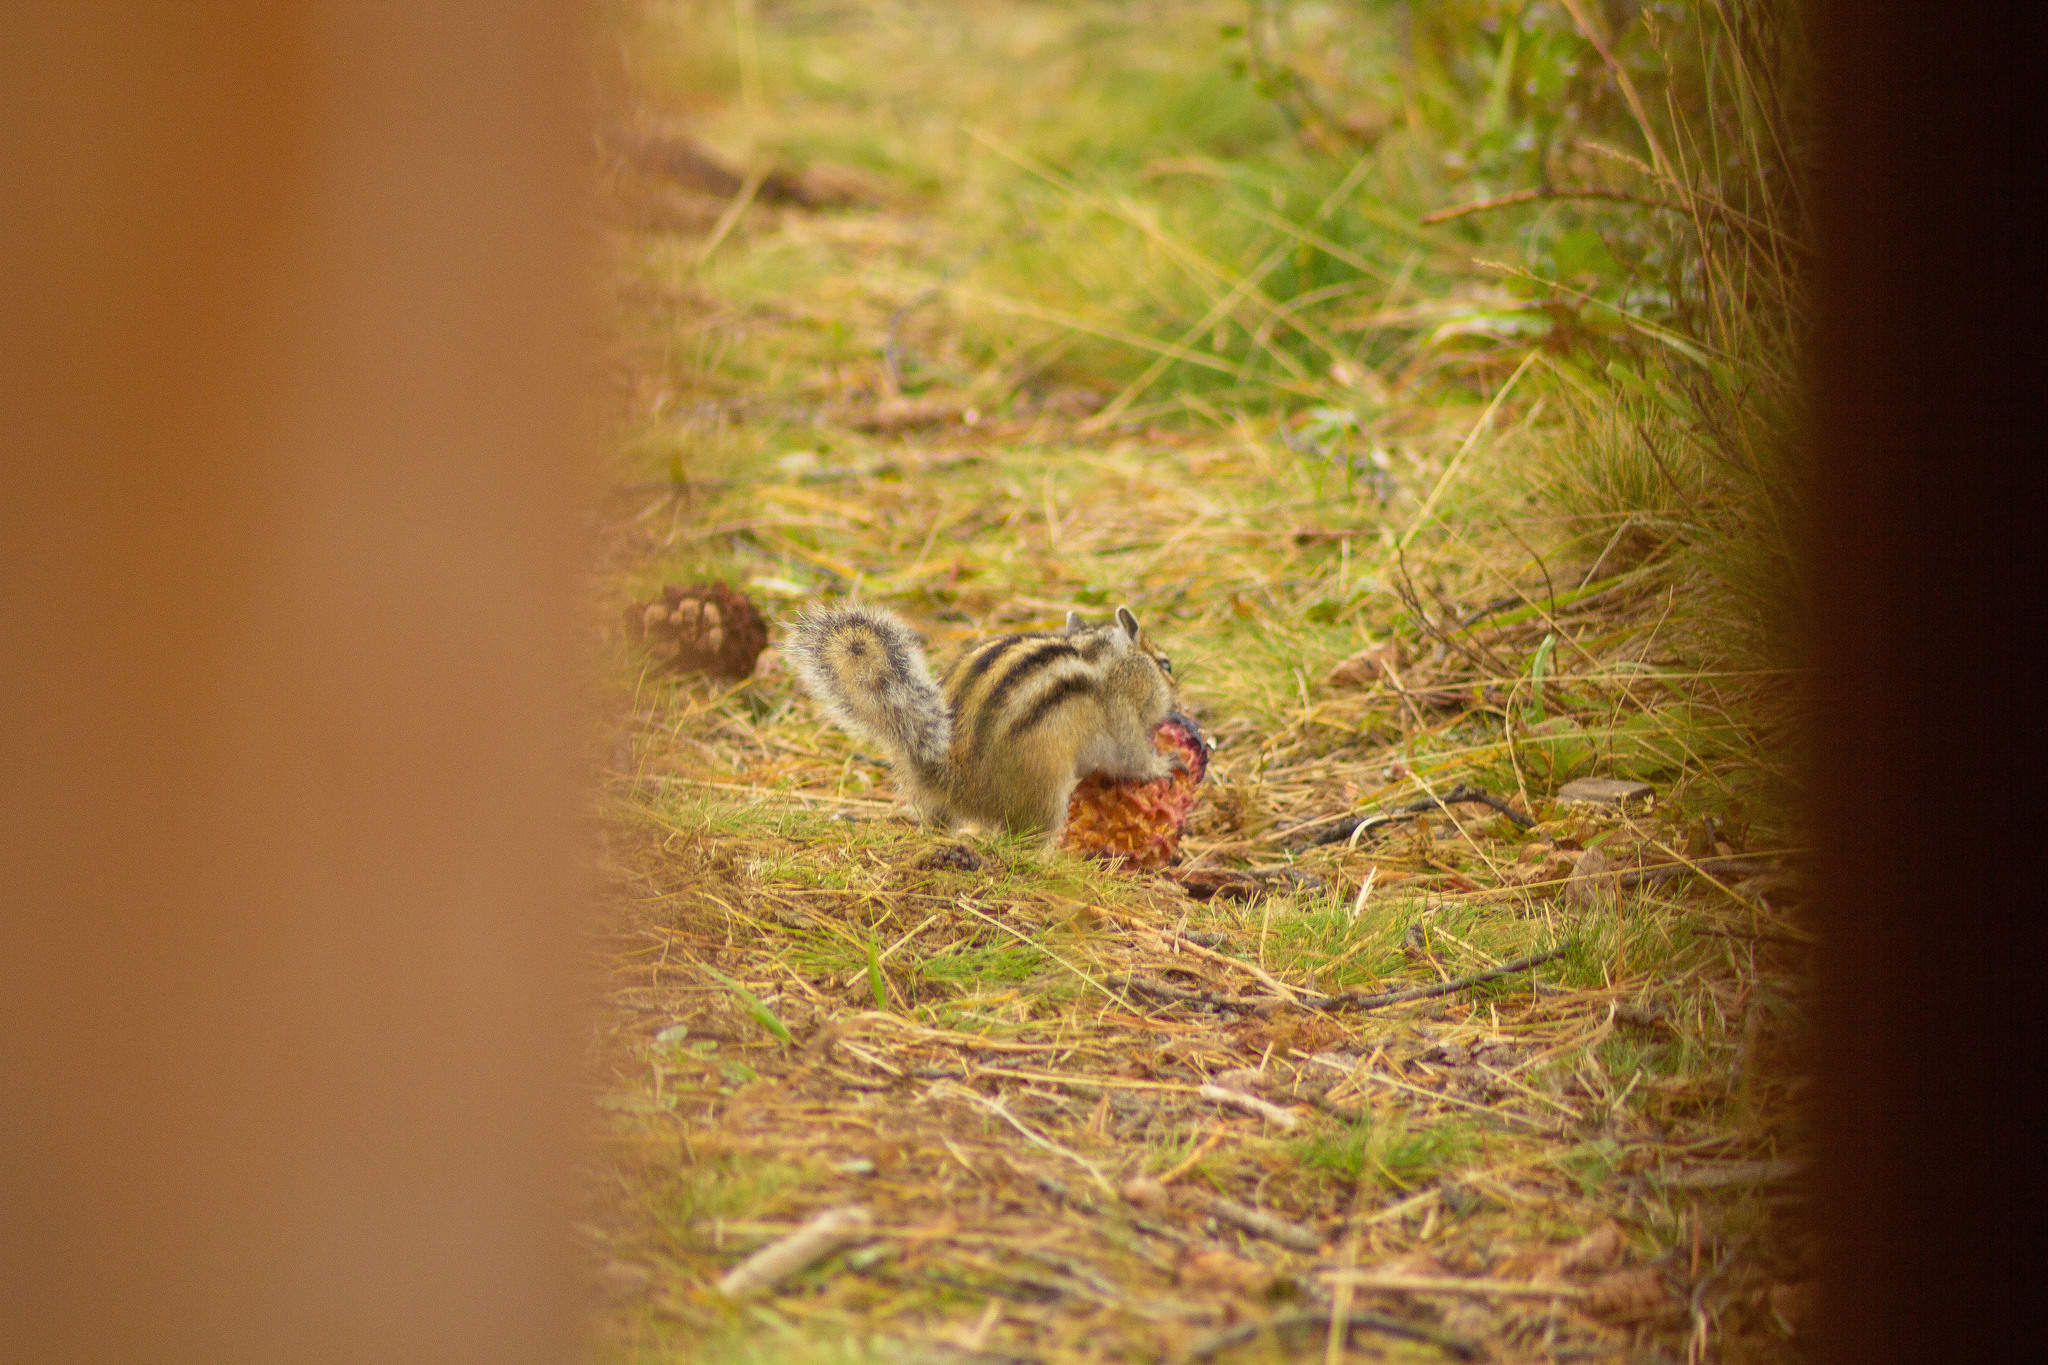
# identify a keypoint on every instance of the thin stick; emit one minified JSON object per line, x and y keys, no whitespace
{"x":1272,"y":1113}
{"x":813,"y":1242}
{"x":1270,"y":1226}
{"x":1461,"y":793}
{"x":1501,"y":201}
{"x":1174,"y":995}
{"x":1435,"y":1284}
{"x":731,"y":216}
{"x":1348,"y":1000}
{"x":1459,"y":825}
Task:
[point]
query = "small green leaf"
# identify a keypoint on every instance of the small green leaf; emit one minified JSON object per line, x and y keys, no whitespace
{"x":875,"y":987}
{"x":1539,"y":668}
{"x":757,"y":1011}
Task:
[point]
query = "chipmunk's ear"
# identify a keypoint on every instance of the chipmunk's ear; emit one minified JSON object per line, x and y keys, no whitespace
{"x":1073,"y":622}
{"x":1129,"y":621}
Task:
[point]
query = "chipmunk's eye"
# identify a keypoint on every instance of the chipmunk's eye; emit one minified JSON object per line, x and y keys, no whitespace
{"x":1166,"y":665}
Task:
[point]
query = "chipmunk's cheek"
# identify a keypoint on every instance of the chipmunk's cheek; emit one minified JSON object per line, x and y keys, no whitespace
{"x":1140,"y":822}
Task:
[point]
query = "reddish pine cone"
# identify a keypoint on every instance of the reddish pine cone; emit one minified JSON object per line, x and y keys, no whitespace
{"x":704,"y":628}
{"x":1140,"y":822}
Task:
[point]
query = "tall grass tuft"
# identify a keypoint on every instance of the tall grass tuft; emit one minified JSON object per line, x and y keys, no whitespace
{"x":1631,"y":199}
{"x":1692,"y":436}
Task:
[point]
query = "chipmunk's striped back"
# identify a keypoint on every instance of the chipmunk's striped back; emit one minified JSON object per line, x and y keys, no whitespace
{"x":1006,"y":687}
{"x":1018,"y":720}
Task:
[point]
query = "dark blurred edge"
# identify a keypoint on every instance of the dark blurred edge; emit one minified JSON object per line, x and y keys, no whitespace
{"x":1928,"y":703}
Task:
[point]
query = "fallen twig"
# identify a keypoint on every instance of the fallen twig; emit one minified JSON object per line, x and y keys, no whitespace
{"x":1347,"y":1000}
{"x":1272,"y":1113}
{"x":1356,"y":1000}
{"x":1270,"y":1226}
{"x":1175,"y":995}
{"x":1441,"y":1284}
{"x":1459,"y":794}
{"x":831,"y":1231}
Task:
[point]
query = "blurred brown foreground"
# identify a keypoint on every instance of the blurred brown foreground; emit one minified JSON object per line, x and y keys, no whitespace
{"x":288,"y":320}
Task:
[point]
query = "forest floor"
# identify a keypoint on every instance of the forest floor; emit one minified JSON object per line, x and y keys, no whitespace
{"x":1086,"y":1114}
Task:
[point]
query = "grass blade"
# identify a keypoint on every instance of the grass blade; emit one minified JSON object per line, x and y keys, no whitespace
{"x":1539,"y":667}
{"x":875,"y":987}
{"x":759,"y":1012}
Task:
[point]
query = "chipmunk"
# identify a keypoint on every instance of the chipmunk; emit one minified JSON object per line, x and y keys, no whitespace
{"x":1015,"y":723}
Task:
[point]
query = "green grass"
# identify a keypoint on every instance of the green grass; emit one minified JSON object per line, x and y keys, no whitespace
{"x":997,"y":964}
{"x":727,"y":1188}
{"x":1387,"y":1150}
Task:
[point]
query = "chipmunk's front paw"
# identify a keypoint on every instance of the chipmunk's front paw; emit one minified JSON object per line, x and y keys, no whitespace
{"x":1162,"y":766}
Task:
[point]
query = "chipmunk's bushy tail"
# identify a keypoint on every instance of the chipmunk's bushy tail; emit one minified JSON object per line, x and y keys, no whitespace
{"x":866,"y":669}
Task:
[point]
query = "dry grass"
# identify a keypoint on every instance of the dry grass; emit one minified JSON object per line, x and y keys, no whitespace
{"x":1563,"y":1164}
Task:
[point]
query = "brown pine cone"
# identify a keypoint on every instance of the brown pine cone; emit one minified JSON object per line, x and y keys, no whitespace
{"x":1140,"y":822}
{"x":704,"y":628}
